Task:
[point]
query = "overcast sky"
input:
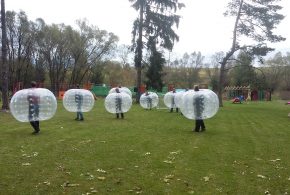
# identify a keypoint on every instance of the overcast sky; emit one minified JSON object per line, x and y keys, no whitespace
{"x":202,"y":27}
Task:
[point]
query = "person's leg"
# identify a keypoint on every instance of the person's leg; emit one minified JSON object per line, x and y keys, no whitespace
{"x":202,"y":125}
{"x":34,"y":125}
{"x":196,"y":126}
{"x":81,"y":116}
{"x":122,"y":115}
{"x":199,"y":125}
{"x":176,"y":109}
{"x":117,"y":115}
{"x":37,"y":126}
{"x":78,"y":116}
{"x":171,"y":109}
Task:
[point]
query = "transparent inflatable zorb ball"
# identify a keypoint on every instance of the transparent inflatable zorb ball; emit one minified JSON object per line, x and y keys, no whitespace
{"x":169,"y":99}
{"x":121,"y":89}
{"x":78,"y":100}
{"x":34,"y":104}
{"x":202,"y":104}
{"x":118,"y":102}
{"x":178,"y":98}
{"x":149,"y":101}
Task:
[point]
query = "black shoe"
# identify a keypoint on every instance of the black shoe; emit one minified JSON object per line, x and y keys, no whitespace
{"x":82,"y":119}
{"x":203,"y":129}
{"x":35,"y":132}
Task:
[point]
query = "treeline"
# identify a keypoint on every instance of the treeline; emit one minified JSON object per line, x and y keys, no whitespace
{"x":54,"y":53}
{"x":271,"y":74}
{"x":57,"y":53}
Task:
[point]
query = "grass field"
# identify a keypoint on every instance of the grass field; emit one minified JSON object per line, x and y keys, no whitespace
{"x":245,"y":150}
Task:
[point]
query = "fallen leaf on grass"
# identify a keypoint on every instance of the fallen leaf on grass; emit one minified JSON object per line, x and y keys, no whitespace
{"x":67,"y":184}
{"x":101,"y":178}
{"x":136,"y":189}
{"x":206,"y":178}
{"x":28,"y":156}
{"x":72,"y":185}
{"x":167,"y":178}
{"x":278,"y":159}
{"x":147,"y":153}
{"x":219,"y":189}
{"x":168,"y":161}
{"x":176,"y":152}
{"x":46,"y":183}
{"x":261,"y":176}
{"x":101,"y":171}
{"x":85,"y":141}
{"x":90,"y":176}
{"x":60,"y":167}
{"x":26,"y":164}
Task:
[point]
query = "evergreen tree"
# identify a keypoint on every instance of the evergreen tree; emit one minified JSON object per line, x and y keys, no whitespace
{"x":155,"y":20}
{"x":154,"y":73}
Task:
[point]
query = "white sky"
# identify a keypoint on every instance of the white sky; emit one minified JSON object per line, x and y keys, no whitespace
{"x":202,"y":27}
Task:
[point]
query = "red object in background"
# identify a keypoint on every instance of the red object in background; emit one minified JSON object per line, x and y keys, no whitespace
{"x":60,"y":94}
{"x":254,"y":95}
{"x":170,"y":87}
{"x":142,"y":88}
{"x":88,"y":86}
{"x":17,"y":86}
{"x":236,"y":100}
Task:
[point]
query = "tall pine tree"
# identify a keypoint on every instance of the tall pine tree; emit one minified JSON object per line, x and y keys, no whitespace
{"x":154,"y":73}
{"x":155,"y":19}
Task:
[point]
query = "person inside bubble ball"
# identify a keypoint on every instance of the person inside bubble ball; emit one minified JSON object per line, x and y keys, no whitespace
{"x":148,"y":100}
{"x":173,"y":102}
{"x":33,"y":108}
{"x":118,"y":101}
{"x":198,"y":110}
{"x":79,"y":102}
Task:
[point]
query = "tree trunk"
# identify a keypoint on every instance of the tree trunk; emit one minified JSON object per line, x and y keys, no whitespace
{"x":139,"y":54}
{"x":5,"y":67}
{"x":221,"y":82}
{"x":233,"y":49}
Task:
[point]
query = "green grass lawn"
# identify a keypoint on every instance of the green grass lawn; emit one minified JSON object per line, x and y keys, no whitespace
{"x":245,"y":150}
